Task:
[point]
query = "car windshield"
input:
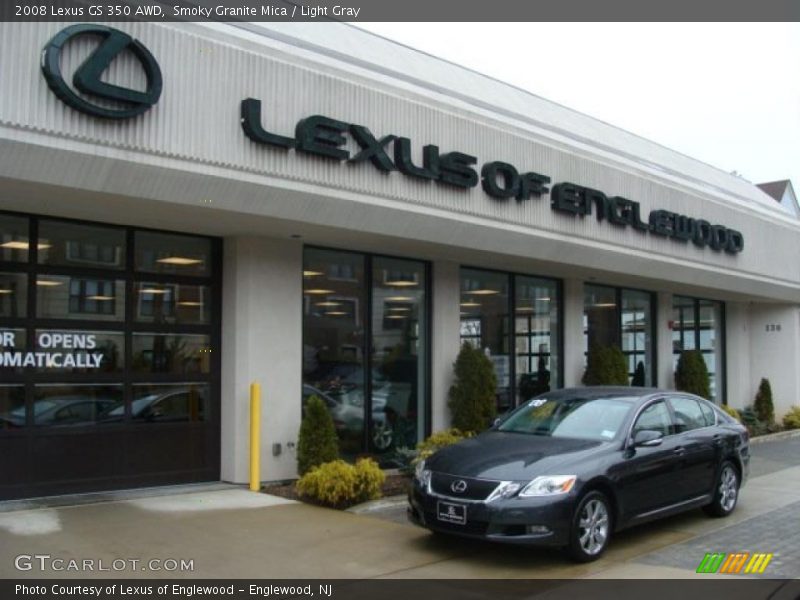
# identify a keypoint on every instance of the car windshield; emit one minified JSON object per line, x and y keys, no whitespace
{"x":584,"y":418}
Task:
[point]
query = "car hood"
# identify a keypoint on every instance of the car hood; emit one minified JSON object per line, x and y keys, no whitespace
{"x":512,"y":456}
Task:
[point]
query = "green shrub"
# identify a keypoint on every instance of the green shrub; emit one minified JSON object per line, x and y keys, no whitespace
{"x":732,"y":412}
{"x":439,"y":440}
{"x":472,"y":395}
{"x":605,"y":365}
{"x":691,"y":374}
{"x":369,"y":480}
{"x":756,"y":426}
{"x":791,"y":420}
{"x":764,"y":409}
{"x":317,"y":442}
{"x":338,"y":484}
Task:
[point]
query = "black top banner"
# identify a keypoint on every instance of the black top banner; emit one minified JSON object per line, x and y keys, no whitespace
{"x":400,"y":11}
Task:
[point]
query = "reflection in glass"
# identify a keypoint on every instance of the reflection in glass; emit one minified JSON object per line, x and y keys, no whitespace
{"x":536,"y":336}
{"x":12,"y":344}
{"x":73,"y":244}
{"x":600,"y":317}
{"x":74,"y":351}
{"x":171,"y":403}
{"x":13,"y":238}
{"x":12,"y":406}
{"x":93,"y":299}
{"x":398,"y":354}
{"x":697,"y":324}
{"x":334,"y":301}
{"x":172,"y":303}
{"x":168,"y":253}
{"x":71,"y":405}
{"x":637,"y":345}
{"x":485,"y":324}
{"x":13,"y":294}
{"x":173,"y":353}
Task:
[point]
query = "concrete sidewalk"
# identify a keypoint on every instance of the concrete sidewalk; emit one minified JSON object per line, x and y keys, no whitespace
{"x":233,"y":533}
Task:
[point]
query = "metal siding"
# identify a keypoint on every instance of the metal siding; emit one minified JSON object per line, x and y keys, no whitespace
{"x":197,"y":121}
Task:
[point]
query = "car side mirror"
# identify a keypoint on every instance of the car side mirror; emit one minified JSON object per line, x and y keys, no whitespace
{"x":647,"y":438}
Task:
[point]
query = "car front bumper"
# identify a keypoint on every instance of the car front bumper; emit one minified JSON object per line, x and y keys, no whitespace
{"x":528,"y":521}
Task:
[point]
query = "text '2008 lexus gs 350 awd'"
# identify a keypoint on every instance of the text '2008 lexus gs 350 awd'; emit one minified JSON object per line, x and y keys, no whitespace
{"x":570,"y":467}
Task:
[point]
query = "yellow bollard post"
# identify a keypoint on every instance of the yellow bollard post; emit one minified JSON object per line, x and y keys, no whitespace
{"x":255,"y":436}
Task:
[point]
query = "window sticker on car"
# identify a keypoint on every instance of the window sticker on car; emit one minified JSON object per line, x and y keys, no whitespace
{"x":537,"y":402}
{"x":607,"y":433}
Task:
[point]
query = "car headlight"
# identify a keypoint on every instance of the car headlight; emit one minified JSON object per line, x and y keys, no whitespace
{"x":421,"y":474}
{"x":549,"y":485}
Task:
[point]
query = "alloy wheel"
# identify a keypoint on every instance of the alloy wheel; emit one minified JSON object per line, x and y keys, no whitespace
{"x":593,"y":526}
{"x":728,"y":488}
{"x":382,"y":435}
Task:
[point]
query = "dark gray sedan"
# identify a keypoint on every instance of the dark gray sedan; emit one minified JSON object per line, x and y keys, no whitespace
{"x":570,"y":467}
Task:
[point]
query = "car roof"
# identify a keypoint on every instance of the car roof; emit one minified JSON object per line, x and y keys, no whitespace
{"x":606,"y":391}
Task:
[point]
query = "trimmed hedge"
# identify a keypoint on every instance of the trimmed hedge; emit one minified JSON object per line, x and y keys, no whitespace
{"x":338,"y":484}
{"x":317,"y":442}
{"x":691,"y":374}
{"x":605,"y":365}
{"x":472,"y":396}
{"x":763,"y":406}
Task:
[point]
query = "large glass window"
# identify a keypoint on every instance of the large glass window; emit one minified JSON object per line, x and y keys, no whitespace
{"x":698,"y":325}
{"x":365,"y":346}
{"x":623,"y":318}
{"x":488,"y":299}
{"x":13,"y":294}
{"x":536,"y":336}
{"x":14,"y":238}
{"x":80,"y":245}
{"x":89,"y":353}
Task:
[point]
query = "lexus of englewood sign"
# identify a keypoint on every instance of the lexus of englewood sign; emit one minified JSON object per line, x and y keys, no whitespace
{"x":326,"y":137}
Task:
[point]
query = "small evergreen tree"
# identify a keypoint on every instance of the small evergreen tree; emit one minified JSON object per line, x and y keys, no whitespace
{"x":764,"y":409}
{"x":605,"y":365}
{"x":317,"y":442}
{"x":691,"y":374}
{"x":472,"y":395}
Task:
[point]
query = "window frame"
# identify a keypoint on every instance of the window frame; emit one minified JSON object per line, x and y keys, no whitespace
{"x":127,"y":378}
{"x":512,"y":324}
{"x":369,"y":285}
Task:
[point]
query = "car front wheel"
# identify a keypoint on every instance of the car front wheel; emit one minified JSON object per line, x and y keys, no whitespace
{"x":591,"y":528}
{"x":726,"y":492}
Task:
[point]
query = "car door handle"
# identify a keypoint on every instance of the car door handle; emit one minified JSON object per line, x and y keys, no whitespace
{"x":680,"y":450}
{"x":718,"y":439}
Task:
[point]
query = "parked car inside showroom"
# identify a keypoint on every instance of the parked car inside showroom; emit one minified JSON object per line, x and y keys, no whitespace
{"x":569,"y":468}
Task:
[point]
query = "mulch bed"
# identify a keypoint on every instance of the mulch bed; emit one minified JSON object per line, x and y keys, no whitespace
{"x":394,"y":485}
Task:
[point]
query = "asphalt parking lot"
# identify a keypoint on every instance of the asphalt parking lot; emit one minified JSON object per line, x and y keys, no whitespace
{"x":228,"y":532}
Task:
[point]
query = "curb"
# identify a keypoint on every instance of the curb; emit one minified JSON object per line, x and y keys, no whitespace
{"x":774,"y":437}
{"x":378,"y":505}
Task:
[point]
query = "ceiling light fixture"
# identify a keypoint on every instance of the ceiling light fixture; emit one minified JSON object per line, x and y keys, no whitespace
{"x":312,"y":273}
{"x":180,"y":261}
{"x":318,"y":291}
{"x":48,"y":282}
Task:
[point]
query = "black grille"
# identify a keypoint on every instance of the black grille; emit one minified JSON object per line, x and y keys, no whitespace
{"x":477,"y":489}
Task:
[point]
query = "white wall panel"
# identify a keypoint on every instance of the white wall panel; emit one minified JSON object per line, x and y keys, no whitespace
{"x":196,"y":123}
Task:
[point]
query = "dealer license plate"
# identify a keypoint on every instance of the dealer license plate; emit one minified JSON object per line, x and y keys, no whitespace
{"x":451,"y":513}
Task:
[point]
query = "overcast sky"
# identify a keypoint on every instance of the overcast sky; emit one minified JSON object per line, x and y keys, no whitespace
{"x":727,"y":94}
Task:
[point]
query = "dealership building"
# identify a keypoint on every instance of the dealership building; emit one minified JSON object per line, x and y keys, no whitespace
{"x":189,"y":208}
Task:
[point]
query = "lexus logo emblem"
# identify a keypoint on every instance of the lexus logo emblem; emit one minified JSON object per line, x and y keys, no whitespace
{"x":88,"y":76}
{"x":459,"y":486}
